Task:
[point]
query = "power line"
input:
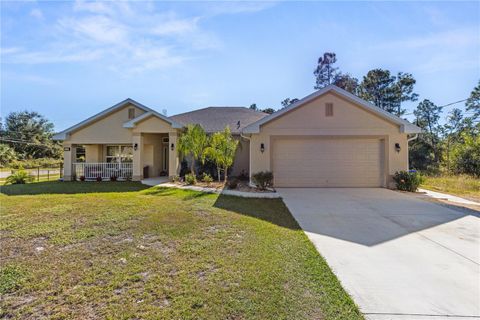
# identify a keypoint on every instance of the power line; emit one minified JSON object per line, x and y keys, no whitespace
{"x":26,"y":142}
{"x":449,"y":104}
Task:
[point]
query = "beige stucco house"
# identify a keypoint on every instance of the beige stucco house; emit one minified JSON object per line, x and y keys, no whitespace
{"x":330,"y":138}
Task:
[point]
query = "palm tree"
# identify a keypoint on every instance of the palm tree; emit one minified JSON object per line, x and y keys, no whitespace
{"x":222,"y":150}
{"x":193,"y":143}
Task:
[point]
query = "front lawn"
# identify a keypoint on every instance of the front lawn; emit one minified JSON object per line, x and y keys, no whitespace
{"x":460,"y":185}
{"x":120,"y":251}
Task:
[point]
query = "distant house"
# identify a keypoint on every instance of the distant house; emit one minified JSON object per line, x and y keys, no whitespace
{"x":330,"y":138}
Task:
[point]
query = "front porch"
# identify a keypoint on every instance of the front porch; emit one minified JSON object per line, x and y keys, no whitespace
{"x":147,"y":155}
{"x":103,"y":171}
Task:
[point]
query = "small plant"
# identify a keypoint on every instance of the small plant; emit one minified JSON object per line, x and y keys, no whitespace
{"x":190,"y":179}
{"x":243,"y":176}
{"x":99,"y":179}
{"x":233,"y":184}
{"x":407,"y":180}
{"x":207,"y":178}
{"x":175,"y":178}
{"x":19,"y":177}
{"x":82,"y":178}
{"x":113,"y":178}
{"x":263,"y":179}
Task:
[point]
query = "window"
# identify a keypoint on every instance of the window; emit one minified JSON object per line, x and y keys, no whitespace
{"x":165,"y":159}
{"x":329,"y":110}
{"x":131,"y":113}
{"x":119,"y":154}
{"x":80,"y":156}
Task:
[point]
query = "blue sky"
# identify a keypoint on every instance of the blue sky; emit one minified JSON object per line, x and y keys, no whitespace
{"x":70,"y":60}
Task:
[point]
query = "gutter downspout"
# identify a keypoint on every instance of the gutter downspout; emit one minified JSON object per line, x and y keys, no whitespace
{"x":408,"y":140}
{"x":413,"y":138}
{"x":249,"y":160}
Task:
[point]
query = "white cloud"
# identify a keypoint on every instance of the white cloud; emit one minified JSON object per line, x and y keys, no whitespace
{"x":235,"y":7}
{"x":37,"y":14}
{"x":455,"y":38}
{"x":96,"y":7}
{"x":10,"y":50}
{"x":29,"y":78}
{"x":97,"y":28}
{"x":42,"y":57}
{"x":172,"y":26}
{"x":124,"y":36}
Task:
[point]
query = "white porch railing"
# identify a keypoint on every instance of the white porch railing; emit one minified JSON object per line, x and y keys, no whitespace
{"x":105,"y":170}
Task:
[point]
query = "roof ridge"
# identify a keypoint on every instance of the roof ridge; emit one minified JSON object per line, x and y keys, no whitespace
{"x":215,"y":107}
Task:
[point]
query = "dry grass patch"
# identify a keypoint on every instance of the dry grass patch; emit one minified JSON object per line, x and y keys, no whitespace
{"x":460,"y":185}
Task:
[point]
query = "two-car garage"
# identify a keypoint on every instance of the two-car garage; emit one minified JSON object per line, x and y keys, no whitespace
{"x":330,"y":138}
{"x":328,"y":162}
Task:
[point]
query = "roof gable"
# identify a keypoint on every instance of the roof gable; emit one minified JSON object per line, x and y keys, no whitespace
{"x":64,"y":134}
{"x":405,"y":126}
{"x":132,"y":123}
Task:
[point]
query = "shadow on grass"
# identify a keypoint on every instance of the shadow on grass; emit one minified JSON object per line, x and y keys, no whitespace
{"x":185,"y":194}
{"x":57,"y":187}
{"x":271,"y":210}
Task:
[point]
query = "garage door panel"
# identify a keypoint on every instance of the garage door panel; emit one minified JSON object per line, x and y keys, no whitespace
{"x":321,"y":162}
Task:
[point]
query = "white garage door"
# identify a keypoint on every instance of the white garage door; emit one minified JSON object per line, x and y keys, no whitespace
{"x":332,"y":162}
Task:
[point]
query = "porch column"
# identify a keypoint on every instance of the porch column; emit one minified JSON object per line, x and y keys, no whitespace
{"x":173,"y":160}
{"x":69,"y":156}
{"x":137,"y":157}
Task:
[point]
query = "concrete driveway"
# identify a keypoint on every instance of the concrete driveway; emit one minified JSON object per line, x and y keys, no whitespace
{"x":399,"y":257}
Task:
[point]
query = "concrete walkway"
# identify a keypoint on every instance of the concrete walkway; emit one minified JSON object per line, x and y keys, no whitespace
{"x":399,"y":256}
{"x":448,"y":197}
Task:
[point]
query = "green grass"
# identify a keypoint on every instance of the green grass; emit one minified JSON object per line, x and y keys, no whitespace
{"x":11,"y":278}
{"x":116,"y":250}
{"x":460,"y":185}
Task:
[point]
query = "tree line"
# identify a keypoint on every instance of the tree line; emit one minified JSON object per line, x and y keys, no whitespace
{"x":378,"y":86}
{"x":27,"y":136}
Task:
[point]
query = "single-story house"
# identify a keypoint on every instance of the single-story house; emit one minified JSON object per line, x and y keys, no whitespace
{"x":330,"y":138}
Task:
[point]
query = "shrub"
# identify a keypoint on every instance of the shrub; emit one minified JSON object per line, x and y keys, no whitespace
{"x":175,"y":178}
{"x":99,"y":179}
{"x":466,"y":156}
{"x":207,"y":178}
{"x":233,"y":184}
{"x":190,"y":179}
{"x":19,"y":177}
{"x":7,"y":154}
{"x":184,"y":168}
{"x":36,"y":163}
{"x":243,"y":176}
{"x":407,"y":180}
{"x":82,"y":178}
{"x":113,"y":178}
{"x":208,"y":166}
{"x":263,"y":179}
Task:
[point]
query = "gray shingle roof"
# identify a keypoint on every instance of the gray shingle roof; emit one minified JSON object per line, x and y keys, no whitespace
{"x":214,"y":119}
